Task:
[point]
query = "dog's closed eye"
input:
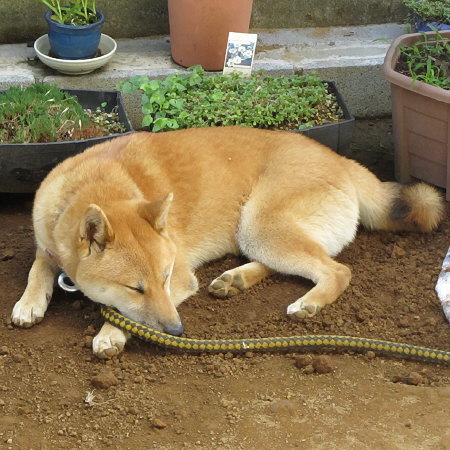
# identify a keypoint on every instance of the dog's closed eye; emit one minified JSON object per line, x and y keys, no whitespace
{"x":139,"y":289}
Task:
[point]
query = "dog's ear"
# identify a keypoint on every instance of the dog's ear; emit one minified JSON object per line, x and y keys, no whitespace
{"x":156,"y":212}
{"x":95,"y":228}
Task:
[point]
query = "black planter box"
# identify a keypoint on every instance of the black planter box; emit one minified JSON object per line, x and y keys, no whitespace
{"x":338,"y":135}
{"x":24,"y":166}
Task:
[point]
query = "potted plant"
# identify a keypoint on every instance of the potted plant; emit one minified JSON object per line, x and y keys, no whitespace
{"x":428,"y":15}
{"x":74,"y":28}
{"x":417,"y":66}
{"x":298,"y":103}
{"x":199,"y":29}
{"x":42,"y":125}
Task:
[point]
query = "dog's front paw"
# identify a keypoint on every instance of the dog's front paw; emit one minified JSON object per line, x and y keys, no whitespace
{"x":301,"y":310}
{"x":227,"y":285}
{"x":109,"y":342}
{"x":27,"y":313}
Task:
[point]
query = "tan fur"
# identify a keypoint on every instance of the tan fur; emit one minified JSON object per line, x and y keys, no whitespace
{"x":130,"y":220}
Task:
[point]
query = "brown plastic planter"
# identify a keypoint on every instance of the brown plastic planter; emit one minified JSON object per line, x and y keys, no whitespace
{"x":199,"y":29}
{"x":421,"y":122}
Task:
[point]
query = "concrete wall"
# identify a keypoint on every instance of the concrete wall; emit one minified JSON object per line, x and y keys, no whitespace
{"x":22,"y":20}
{"x":325,"y":13}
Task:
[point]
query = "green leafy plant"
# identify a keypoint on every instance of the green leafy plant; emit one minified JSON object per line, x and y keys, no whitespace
{"x":427,"y":61}
{"x":428,"y":11}
{"x":44,"y":113}
{"x":72,"y":12}
{"x":202,"y":100}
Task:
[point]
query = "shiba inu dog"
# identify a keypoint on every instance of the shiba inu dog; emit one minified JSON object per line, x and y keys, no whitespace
{"x":129,"y":220}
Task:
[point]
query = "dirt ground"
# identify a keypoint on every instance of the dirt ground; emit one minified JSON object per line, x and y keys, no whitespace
{"x":50,"y":397}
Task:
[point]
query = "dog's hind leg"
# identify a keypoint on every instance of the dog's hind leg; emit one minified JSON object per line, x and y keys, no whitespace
{"x":236,"y":280}
{"x":331,"y":278}
{"x":296,"y":240}
{"x":293,"y":252}
{"x":109,"y":342}
{"x":31,"y":307}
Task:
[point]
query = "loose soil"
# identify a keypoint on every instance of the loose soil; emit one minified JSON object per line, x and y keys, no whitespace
{"x":54,"y":394}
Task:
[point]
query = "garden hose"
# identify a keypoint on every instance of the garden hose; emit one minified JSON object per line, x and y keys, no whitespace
{"x":309,"y":342}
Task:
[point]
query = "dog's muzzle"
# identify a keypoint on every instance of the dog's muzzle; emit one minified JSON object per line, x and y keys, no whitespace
{"x":176,"y":330}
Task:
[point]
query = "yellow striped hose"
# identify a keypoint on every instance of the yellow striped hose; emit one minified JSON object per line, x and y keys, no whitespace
{"x":168,"y":341}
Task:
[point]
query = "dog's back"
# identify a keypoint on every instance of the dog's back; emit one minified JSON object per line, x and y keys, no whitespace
{"x":213,"y":171}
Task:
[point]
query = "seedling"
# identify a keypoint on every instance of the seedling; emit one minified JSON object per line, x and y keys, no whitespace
{"x":427,"y":61}
{"x":72,"y":12}
{"x":202,"y":100}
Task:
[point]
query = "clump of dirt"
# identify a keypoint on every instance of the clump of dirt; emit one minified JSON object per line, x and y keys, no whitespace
{"x":55,"y":394}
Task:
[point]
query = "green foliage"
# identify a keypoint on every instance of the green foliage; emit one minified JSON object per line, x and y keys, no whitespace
{"x":427,"y":61}
{"x":429,"y":10}
{"x":43,"y":113}
{"x":72,"y":12}
{"x":202,"y":100}
{"x":37,"y":114}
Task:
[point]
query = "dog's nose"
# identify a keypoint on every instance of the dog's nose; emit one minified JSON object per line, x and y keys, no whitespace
{"x":176,"y":330}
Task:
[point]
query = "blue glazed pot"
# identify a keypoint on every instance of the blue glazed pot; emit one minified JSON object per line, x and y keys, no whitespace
{"x":426,"y":26}
{"x":74,"y":42}
{"x":420,"y":24}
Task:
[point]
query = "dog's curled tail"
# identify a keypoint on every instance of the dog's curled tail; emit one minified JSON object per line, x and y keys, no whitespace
{"x":393,"y":206}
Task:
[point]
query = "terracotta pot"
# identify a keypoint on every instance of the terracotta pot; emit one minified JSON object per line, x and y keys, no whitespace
{"x":421,"y":122}
{"x":199,"y":29}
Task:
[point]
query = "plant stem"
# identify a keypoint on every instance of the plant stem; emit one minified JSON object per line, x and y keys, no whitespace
{"x":56,"y":9}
